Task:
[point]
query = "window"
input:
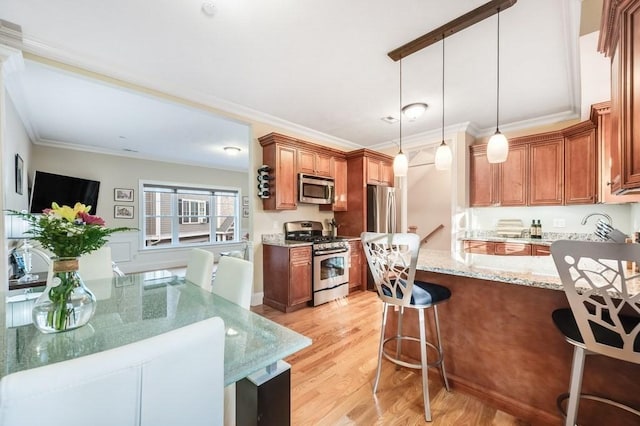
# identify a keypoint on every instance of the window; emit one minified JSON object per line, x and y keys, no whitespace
{"x":181,"y":216}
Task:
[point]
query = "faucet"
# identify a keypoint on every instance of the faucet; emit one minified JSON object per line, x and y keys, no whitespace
{"x":584,"y":219}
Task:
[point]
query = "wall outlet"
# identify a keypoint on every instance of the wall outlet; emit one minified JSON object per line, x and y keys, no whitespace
{"x":559,"y":223}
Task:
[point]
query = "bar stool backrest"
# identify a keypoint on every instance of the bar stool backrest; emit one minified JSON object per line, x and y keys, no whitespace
{"x":392,"y":260}
{"x":590,"y":272}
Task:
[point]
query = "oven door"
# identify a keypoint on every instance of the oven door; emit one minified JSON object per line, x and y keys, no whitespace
{"x":331,"y":270}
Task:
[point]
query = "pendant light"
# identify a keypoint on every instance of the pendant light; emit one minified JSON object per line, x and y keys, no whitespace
{"x":498,"y":147}
{"x":443,"y":153}
{"x":400,"y":163}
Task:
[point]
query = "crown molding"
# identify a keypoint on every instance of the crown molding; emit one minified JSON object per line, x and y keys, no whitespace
{"x":220,"y":106}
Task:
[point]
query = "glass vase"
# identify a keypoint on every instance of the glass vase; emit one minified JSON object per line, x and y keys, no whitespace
{"x":65,"y":303}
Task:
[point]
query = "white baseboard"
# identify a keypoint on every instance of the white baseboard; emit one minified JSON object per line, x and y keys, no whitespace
{"x":256,"y":298}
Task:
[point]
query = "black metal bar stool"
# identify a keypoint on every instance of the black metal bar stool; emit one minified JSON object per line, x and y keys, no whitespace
{"x":392,"y":259}
{"x":599,"y":287}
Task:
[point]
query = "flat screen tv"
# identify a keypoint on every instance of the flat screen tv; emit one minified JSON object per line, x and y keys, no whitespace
{"x":49,"y":187}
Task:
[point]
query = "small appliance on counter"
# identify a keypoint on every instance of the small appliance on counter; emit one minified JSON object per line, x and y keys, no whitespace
{"x":510,"y":228}
{"x":330,"y":276}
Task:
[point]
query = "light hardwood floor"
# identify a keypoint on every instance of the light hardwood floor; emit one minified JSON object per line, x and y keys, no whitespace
{"x":332,"y":380}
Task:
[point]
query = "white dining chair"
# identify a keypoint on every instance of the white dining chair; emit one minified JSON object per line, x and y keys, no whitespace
{"x":175,"y":378}
{"x":234,"y":282}
{"x":200,"y":268}
{"x":95,"y":269}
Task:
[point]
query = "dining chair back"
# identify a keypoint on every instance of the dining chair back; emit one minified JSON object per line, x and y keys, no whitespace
{"x":200,"y":268}
{"x":97,"y":266}
{"x":171,"y":379}
{"x":234,"y":280}
{"x":604,"y":314}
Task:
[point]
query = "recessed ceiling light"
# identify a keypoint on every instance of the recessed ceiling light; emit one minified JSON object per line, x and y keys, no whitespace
{"x":232,"y":150}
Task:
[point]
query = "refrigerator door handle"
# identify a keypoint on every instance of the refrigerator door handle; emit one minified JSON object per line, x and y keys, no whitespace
{"x":391,"y":209}
{"x":376,"y":206}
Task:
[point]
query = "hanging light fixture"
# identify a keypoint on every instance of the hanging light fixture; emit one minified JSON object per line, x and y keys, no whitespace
{"x":498,"y":147}
{"x":443,"y":153}
{"x":400,"y":162}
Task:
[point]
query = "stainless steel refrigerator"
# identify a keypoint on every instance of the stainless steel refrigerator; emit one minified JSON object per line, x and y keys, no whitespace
{"x":382,"y":212}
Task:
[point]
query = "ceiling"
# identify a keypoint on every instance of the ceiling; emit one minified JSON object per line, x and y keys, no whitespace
{"x":318,"y":68}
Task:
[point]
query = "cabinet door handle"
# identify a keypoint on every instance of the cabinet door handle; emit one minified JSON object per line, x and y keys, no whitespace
{"x":609,"y":183}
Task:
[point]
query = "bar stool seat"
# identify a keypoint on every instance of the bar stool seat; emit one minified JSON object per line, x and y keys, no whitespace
{"x":594,"y":325}
{"x":392,"y":259}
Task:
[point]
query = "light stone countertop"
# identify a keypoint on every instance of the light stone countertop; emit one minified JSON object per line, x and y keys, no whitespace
{"x":530,"y":271}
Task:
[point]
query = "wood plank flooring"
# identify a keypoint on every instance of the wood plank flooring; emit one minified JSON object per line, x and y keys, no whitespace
{"x":332,"y":380}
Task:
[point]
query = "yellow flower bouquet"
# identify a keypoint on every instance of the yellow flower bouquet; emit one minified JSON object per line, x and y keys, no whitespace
{"x":68,"y":232}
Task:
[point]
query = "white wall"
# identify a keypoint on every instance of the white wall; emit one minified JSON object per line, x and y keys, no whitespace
{"x":123,"y":172}
{"x":16,"y":142}
{"x":485,"y":218}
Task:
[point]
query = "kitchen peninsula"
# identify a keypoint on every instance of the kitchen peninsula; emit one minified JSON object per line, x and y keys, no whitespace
{"x":501,"y":345}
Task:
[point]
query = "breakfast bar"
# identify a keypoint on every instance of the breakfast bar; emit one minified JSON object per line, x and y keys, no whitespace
{"x":500,"y":342}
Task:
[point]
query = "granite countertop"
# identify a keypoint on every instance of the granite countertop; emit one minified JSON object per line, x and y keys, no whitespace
{"x":530,"y":271}
{"x":286,"y":243}
{"x":542,"y":242}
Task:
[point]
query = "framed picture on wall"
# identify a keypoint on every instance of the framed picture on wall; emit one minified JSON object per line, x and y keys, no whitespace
{"x":19,"y":173}
{"x":123,"y":212}
{"x":122,"y":194}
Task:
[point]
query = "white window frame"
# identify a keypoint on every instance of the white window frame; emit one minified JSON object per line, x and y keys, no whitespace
{"x":181,"y":190}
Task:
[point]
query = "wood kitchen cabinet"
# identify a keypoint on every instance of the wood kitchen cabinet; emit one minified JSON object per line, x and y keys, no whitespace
{"x":580,"y":164}
{"x":620,"y":40}
{"x":504,"y":248}
{"x":608,"y":157}
{"x":483,"y":178}
{"x":280,"y":156}
{"x":480,"y":247}
{"x":354,"y":220}
{"x":287,"y":275}
{"x":314,"y":163}
{"x":355,"y":266}
{"x":379,"y":171}
{"x":287,"y":156}
{"x":546,"y":165}
{"x":540,"y":250}
{"x":503,"y":184}
{"x":512,"y":249}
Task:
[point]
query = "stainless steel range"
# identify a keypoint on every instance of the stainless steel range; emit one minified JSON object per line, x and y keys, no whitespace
{"x":330,"y":260}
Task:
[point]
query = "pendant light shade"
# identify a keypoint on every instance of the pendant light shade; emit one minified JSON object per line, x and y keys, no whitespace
{"x":498,"y":148}
{"x":443,"y":157}
{"x":400,"y":165}
{"x":400,"y":162}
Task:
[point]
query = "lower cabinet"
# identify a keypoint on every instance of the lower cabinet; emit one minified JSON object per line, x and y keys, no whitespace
{"x":355,"y":266}
{"x":287,"y":276}
{"x":499,"y":248}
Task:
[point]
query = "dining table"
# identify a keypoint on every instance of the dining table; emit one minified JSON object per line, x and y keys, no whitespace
{"x":142,"y":305}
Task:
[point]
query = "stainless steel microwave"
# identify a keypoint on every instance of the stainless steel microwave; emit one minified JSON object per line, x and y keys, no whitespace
{"x":315,"y":189}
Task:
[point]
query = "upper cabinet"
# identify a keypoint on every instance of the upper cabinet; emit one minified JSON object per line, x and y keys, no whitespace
{"x":502,"y":184}
{"x":379,"y":171}
{"x":608,"y":157}
{"x":620,"y":40}
{"x":314,"y":163}
{"x":287,"y":157}
{"x":546,"y":169}
{"x":280,"y":154}
{"x":580,"y":164}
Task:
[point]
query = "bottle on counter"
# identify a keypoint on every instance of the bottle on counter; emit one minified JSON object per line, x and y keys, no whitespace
{"x":539,"y":230}
{"x":532,"y":229}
